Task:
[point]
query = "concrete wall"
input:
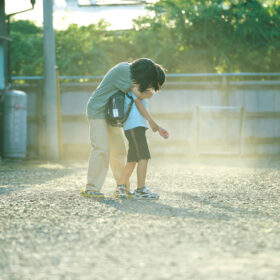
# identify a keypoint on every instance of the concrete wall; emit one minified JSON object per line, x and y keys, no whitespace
{"x":175,"y":108}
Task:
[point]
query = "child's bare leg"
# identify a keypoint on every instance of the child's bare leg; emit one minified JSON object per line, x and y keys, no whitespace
{"x":141,"y":172}
{"x":129,"y":167}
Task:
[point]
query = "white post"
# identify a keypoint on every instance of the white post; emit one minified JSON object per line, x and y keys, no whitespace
{"x":50,"y":100}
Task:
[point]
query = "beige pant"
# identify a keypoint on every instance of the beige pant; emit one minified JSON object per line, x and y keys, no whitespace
{"x":108,"y":146}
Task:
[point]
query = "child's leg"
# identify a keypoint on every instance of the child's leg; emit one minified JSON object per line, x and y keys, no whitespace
{"x":142,"y":192}
{"x":141,"y":172}
{"x":129,"y":167}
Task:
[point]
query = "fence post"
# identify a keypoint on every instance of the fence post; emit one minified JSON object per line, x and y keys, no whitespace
{"x":225,"y":102}
{"x":59,"y":117}
{"x":197,"y":131}
{"x":225,"y":91}
{"x":242,"y":115}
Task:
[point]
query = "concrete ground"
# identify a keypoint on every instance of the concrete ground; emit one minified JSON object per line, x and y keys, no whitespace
{"x":215,"y":220}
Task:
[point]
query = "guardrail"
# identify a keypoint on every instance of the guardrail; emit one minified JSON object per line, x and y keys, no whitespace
{"x":171,"y":75}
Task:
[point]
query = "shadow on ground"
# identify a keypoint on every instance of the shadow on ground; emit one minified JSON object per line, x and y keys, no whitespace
{"x":158,"y":208}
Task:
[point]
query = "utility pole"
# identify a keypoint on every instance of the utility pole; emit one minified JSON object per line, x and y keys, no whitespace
{"x":3,"y":46}
{"x":50,"y":99}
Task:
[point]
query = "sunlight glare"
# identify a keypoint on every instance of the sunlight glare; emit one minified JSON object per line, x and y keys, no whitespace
{"x":67,"y":12}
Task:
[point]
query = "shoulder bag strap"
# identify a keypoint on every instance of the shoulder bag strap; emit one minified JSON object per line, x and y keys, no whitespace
{"x":129,"y":106}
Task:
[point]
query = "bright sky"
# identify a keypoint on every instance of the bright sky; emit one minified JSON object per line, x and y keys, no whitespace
{"x":68,"y":11}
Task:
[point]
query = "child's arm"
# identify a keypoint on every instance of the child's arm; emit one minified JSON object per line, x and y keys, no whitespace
{"x":147,"y":94}
{"x":145,"y":114}
{"x":140,"y":106}
{"x":155,"y":127}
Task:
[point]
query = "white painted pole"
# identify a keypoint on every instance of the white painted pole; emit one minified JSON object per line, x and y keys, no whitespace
{"x":50,"y":99}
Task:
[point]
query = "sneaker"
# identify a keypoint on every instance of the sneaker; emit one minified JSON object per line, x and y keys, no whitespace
{"x":130,"y":194}
{"x":121,"y":191}
{"x":144,"y":193}
{"x":88,"y":193}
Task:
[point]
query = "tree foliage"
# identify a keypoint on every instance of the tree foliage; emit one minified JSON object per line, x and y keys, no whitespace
{"x":184,"y":36}
{"x":26,"y":49}
{"x":220,"y":36}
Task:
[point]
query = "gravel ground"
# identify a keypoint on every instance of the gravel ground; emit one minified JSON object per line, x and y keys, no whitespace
{"x":214,"y":220}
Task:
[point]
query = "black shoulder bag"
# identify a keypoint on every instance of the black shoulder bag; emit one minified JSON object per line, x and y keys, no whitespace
{"x":115,"y":111}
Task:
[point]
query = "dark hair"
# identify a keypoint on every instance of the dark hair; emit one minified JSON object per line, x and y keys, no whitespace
{"x":147,"y":74}
{"x":161,"y":74}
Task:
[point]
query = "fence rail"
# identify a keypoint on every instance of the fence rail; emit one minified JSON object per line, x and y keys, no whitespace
{"x":171,"y":75}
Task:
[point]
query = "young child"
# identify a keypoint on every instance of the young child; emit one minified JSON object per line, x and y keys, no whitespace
{"x":138,"y":153}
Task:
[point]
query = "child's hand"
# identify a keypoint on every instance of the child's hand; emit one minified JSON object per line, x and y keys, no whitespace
{"x":163,"y":133}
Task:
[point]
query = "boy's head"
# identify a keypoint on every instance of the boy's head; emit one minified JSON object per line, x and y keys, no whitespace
{"x":147,"y":74}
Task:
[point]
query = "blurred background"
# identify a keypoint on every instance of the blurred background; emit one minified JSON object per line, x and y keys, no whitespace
{"x":222,"y":58}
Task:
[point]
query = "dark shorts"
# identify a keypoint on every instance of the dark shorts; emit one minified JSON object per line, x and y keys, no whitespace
{"x":137,"y":144}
